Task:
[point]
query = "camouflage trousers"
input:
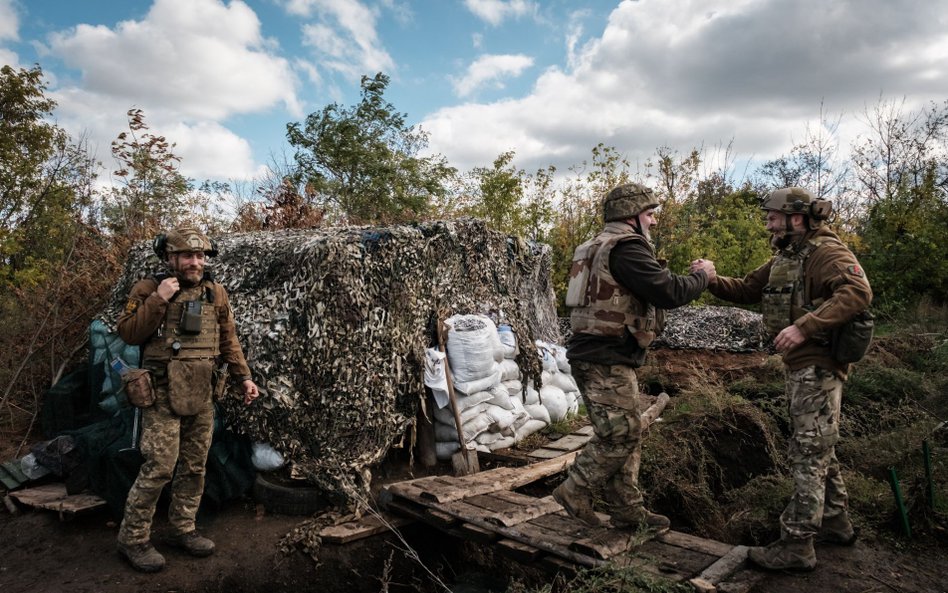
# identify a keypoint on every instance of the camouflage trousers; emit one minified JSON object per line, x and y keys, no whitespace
{"x":609,"y":463}
{"x":814,"y":399}
{"x":168,"y":440}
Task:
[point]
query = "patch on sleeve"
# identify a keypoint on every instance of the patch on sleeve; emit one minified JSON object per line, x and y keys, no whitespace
{"x":130,"y":306}
{"x":855,"y":270}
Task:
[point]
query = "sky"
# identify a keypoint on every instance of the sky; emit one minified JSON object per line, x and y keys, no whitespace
{"x":547,"y":79}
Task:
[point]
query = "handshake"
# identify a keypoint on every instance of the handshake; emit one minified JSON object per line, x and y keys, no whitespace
{"x":706,"y":265}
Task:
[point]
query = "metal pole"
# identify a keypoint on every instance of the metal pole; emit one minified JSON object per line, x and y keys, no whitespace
{"x":900,"y":505}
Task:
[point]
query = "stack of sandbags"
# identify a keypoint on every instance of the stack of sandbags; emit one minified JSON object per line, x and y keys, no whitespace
{"x":496,"y":410}
{"x":559,"y":393}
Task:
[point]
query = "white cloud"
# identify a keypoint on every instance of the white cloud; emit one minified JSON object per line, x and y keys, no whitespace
{"x":198,"y":58}
{"x":496,"y":11}
{"x":683,"y":73}
{"x":491,"y":69}
{"x":9,"y":21}
{"x":344,"y":39}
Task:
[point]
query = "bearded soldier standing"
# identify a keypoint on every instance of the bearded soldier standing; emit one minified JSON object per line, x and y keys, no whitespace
{"x":617,"y":292}
{"x":184,"y":325}
{"x":812,"y":286}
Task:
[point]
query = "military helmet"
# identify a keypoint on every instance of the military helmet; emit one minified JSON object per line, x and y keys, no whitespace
{"x":184,"y":239}
{"x":796,"y":200}
{"x":627,"y":201}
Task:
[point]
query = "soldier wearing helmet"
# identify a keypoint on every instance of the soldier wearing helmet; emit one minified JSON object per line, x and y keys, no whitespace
{"x":617,"y":293}
{"x":185,"y":327}
{"x":812,"y":286}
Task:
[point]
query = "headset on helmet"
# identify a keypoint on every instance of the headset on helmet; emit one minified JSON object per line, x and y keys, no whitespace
{"x":797,"y":200}
{"x":186,"y":239}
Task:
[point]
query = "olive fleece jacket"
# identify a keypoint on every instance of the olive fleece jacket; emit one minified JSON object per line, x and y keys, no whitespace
{"x":835,"y":285}
{"x":145,"y":312}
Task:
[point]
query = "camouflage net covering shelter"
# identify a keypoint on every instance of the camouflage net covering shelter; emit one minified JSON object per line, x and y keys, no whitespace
{"x":334,"y":323}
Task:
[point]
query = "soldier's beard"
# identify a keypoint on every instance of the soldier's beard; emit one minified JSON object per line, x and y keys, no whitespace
{"x":190,"y":276}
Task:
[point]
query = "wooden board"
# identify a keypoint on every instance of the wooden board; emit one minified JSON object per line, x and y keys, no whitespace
{"x":693,"y":542}
{"x":367,"y":526}
{"x":54,"y":497}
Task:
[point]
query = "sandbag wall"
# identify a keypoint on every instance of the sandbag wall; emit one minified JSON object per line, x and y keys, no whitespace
{"x":497,"y":404}
{"x":335,"y":324}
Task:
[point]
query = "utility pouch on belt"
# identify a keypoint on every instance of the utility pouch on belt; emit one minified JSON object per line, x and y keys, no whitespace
{"x":138,"y":387}
{"x":220,"y":382}
{"x":850,"y":341}
{"x":189,"y":385}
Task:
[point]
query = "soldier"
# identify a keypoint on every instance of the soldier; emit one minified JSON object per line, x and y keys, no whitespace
{"x":185,"y":326}
{"x":810,"y":287}
{"x":617,"y":292}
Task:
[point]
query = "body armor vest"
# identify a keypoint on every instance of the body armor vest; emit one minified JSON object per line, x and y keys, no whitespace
{"x":173,"y":342}
{"x":600,"y":305}
{"x":784,"y":299}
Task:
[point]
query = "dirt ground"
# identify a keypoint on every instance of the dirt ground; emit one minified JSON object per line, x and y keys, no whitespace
{"x":40,"y":553}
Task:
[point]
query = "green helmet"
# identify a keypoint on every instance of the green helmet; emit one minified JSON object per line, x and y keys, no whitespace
{"x":184,"y":239}
{"x":627,"y":201}
{"x":796,"y":200}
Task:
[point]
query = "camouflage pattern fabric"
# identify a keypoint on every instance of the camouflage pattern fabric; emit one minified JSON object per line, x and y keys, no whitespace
{"x":609,"y":461}
{"x":819,"y":492}
{"x":167,"y":440}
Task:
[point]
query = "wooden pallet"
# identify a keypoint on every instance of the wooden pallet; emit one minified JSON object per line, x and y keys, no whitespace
{"x":54,"y":497}
{"x":485,"y":508}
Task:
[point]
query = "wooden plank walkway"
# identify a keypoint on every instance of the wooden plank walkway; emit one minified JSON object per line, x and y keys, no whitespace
{"x":55,"y":498}
{"x":485,"y":508}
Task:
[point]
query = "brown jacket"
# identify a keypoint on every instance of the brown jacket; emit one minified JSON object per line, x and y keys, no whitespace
{"x":836,"y":286}
{"x":145,"y":312}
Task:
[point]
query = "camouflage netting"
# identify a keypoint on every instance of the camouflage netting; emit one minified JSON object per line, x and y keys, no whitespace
{"x":714,"y":328}
{"x":334,"y":323}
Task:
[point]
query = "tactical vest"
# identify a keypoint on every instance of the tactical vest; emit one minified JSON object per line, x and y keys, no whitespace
{"x":172,"y":342}
{"x":784,"y":299}
{"x":600,"y":305}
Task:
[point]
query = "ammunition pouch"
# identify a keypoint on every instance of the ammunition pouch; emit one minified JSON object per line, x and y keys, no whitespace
{"x":220,"y":382}
{"x":189,"y":385}
{"x":139,"y":388}
{"x":850,"y":341}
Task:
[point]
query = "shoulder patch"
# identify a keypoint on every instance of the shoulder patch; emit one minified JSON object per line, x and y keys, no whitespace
{"x":855,"y":270}
{"x":131,"y":305}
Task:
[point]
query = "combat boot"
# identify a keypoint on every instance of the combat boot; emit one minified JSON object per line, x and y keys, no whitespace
{"x":837,"y":530}
{"x":577,"y":501}
{"x":785,"y":554}
{"x":193,"y":543}
{"x":639,"y":517}
{"x":143,"y":557}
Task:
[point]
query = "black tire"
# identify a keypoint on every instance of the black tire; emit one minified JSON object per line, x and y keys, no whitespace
{"x":277,"y":496}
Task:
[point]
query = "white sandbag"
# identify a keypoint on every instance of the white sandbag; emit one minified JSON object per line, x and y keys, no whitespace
{"x":447,"y":416}
{"x":500,"y":417}
{"x":509,"y":371}
{"x":473,"y":347}
{"x":514,"y":388}
{"x":530,"y":396}
{"x":545,"y":349}
{"x":486,"y":438}
{"x":444,"y":451}
{"x":482,"y":449}
{"x":476,"y":426}
{"x":500,"y":397}
{"x":538,"y":412}
{"x":502,"y":443}
{"x":563,"y":381}
{"x":469,"y":401}
{"x":435,"y":376}
{"x":555,"y":402}
{"x":482,"y":384}
{"x":573,"y":404}
{"x":508,"y":340}
{"x":529,"y":428}
{"x":545,"y":376}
